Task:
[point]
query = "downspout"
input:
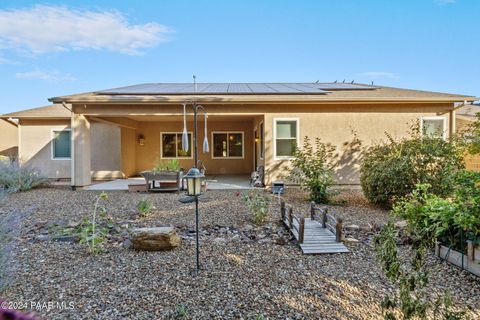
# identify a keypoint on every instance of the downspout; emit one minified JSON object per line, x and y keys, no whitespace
{"x":72,"y":147}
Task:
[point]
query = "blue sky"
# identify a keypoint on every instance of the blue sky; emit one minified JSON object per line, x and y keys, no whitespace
{"x":62,"y":47}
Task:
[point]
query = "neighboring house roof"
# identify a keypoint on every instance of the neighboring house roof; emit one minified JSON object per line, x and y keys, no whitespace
{"x":258,"y":92}
{"x":468,"y":112}
{"x":54,"y":111}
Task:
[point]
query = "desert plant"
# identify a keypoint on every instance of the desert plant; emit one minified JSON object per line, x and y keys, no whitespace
{"x":312,"y":168}
{"x":91,"y":232}
{"x":166,"y":165}
{"x":181,"y":311}
{"x":411,"y":277}
{"x":15,"y":178}
{"x":258,"y":205}
{"x":391,"y":170}
{"x":145,"y":207}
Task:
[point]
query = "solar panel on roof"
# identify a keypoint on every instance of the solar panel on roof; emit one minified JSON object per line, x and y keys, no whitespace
{"x":239,"y":88}
{"x":303,"y":88}
{"x":260,"y":87}
{"x":233,"y":88}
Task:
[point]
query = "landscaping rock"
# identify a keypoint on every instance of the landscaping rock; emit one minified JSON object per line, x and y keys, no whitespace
{"x":155,"y":239}
{"x":350,"y":240}
{"x":220,"y":240}
{"x":70,"y":239}
{"x":352,"y":227}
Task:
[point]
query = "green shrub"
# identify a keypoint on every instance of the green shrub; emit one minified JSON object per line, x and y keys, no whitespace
{"x":167,"y":165}
{"x":145,"y":207}
{"x":14,"y":178}
{"x":258,"y":205}
{"x":392,"y":170}
{"x":313,"y":170}
{"x":451,"y":220}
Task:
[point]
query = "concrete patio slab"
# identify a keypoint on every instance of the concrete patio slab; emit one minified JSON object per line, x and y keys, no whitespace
{"x":217,"y":182}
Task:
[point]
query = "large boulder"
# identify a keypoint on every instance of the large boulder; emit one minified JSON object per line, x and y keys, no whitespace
{"x":155,"y":239}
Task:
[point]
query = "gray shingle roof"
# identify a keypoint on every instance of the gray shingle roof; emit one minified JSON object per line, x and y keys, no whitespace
{"x":51,"y":111}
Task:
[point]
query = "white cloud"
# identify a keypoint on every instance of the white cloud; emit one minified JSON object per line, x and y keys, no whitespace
{"x":444,"y":2}
{"x":48,"y":76}
{"x":379,"y":74}
{"x":42,"y":29}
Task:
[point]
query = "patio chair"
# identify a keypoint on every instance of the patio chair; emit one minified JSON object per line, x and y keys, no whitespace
{"x":256,"y":178}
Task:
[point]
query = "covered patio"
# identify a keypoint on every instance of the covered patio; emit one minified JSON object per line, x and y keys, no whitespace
{"x":214,"y":182}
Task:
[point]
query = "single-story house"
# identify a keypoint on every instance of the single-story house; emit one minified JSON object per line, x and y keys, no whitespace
{"x":120,"y":132}
{"x":465,"y":116}
{"x":8,"y":138}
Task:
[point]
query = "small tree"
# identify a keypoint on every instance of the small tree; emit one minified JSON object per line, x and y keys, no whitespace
{"x":411,"y":278}
{"x":312,"y":168}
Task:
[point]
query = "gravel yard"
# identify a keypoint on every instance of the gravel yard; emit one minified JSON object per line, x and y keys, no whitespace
{"x":249,"y":272}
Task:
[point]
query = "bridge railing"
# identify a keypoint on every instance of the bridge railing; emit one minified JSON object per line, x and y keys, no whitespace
{"x":295,"y":223}
{"x":320,"y":214}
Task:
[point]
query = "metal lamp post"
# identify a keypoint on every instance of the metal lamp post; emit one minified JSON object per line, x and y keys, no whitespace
{"x":194,"y":176}
{"x":194,"y":188}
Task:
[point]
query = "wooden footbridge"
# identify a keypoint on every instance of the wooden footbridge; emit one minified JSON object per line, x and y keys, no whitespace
{"x":318,"y":234}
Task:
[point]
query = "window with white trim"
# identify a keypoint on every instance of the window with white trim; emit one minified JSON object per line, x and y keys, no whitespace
{"x":171,"y":143}
{"x":227,"y":145}
{"x":61,"y":144}
{"x":285,"y":138}
{"x":434,"y":127}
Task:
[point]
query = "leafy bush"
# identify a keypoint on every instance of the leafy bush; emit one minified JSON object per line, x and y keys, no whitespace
{"x":258,"y":205}
{"x":451,"y":221}
{"x":313,"y":170}
{"x":411,"y":277}
{"x":169,"y":165}
{"x":392,"y":170}
{"x":14,"y":178}
{"x":145,"y":207}
{"x":92,"y":232}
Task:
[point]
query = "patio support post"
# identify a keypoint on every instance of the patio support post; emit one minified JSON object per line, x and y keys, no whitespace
{"x":81,"y":155}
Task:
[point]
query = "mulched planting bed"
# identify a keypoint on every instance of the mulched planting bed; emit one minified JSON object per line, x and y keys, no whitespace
{"x":249,"y":271}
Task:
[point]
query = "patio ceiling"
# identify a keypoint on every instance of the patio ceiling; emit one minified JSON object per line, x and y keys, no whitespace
{"x":172,"y":118}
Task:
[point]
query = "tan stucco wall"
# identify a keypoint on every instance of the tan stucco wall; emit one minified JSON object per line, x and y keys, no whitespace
{"x":333,"y":123}
{"x":337,"y":129}
{"x":36,"y":149}
{"x":106,"y":159}
{"x":128,"y":149}
{"x":8,"y":139}
{"x":147,"y":155}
